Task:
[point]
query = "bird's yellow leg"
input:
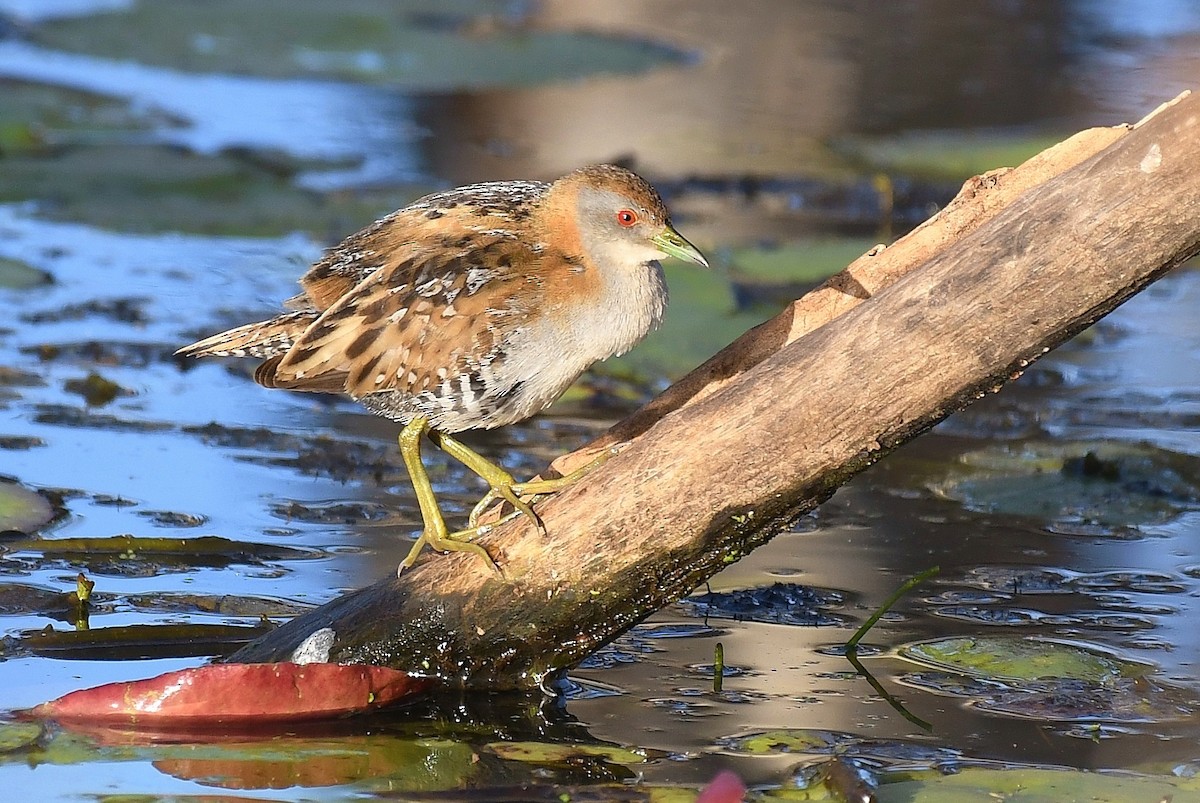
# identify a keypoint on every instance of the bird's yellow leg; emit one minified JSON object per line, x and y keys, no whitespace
{"x":435,"y":533}
{"x":501,"y":484}
{"x":499,"y":481}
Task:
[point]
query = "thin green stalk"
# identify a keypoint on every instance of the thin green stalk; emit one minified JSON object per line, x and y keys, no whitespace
{"x":909,"y":585}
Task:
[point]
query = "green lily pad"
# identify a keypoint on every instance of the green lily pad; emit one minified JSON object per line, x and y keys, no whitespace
{"x":17,"y":737}
{"x":561,"y":753}
{"x":956,"y":155}
{"x":223,"y":759}
{"x":220,"y":604}
{"x":95,"y":389}
{"x":777,"y":275}
{"x":420,"y":46}
{"x":23,"y":509}
{"x":207,"y":549}
{"x":809,"y":261}
{"x":133,"y":642}
{"x":17,"y":275}
{"x":780,"y":741}
{"x":20,"y":598}
{"x":1063,"y":700}
{"x":1021,"y":659}
{"x":226,"y":194}
{"x":1038,"y":786}
{"x":88,"y":164}
{"x":1097,"y":485}
{"x":39,"y":118}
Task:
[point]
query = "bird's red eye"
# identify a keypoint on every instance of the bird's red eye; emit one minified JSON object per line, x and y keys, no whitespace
{"x":627,"y":217}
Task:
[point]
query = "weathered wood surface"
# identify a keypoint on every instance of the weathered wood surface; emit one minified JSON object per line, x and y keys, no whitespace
{"x":769,"y":428}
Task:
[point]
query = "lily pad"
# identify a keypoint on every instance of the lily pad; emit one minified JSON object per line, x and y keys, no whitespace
{"x":39,"y":118}
{"x":95,"y":389}
{"x":956,"y":155}
{"x":132,"y":546}
{"x":224,"y":694}
{"x":20,"y":598}
{"x":276,"y":762}
{"x":22,"y":509}
{"x":1102,"y":487}
{"x":809,"y":260}
{"x":1066,"y":700}
{"x":1021,"y":659}
{"x":106,"y":185}
{"x":132,"y":642}
{"x":780,"y":741}
{"x":420,"y":46}
{"x":1031,"y":785}
{"x":221,"y":604}
{"x":17,"y":737}
{"x":17,"y":275}
{"x":560,"y":753}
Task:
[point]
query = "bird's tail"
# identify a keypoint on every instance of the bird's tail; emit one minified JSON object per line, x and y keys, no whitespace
{"x":263,"y":339}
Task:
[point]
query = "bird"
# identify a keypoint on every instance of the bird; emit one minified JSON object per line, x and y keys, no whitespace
{"x":473,"y":308}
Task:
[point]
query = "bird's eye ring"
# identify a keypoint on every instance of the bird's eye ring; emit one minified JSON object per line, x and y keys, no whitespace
{"x":627,"y":217}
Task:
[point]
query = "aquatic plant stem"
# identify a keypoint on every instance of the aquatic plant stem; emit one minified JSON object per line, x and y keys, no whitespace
{"x":905,"y":587}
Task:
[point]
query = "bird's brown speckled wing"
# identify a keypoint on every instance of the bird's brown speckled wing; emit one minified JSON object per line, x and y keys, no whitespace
{"x":426,"y":321}
{"x":439,"y":219}
{"x":405,"y":303}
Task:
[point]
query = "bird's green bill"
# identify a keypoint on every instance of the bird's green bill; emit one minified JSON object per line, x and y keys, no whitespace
{"x":671,"y":243}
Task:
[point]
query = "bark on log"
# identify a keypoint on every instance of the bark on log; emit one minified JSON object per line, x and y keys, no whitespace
{"x":768,"y":429}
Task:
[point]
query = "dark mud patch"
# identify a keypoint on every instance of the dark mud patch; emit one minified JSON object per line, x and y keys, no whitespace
{"x":781,"y":603}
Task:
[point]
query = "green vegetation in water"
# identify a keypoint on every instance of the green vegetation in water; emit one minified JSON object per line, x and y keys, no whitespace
{"x":1102,"y":486}
{"x":780,"y":741}
{"x":18,"y":737}
{"x":22,"y":509}
{"x":376,"y":762}
{"x":229,"y":193}
{"x":129,"y":642}
{"x":1030,"y":785}
{"x":427,"y":46}
{"x":556,"y":753}
{"x":39,"y":119}
{"x":17,"y":275}
{"x":908,"y":771}
{"x":132,"y":556}
{"x":798,"y":264}
{"x":950,"y":155}
{"x":84,"y":158}
{"x":1011,"y":658}
{"x":95,"y":389}
{"x":905,"y":587}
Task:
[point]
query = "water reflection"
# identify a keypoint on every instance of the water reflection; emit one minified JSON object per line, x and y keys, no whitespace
{"x":774,"y":82}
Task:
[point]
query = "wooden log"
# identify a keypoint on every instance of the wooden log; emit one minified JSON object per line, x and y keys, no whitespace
{"x":1021,"y":261}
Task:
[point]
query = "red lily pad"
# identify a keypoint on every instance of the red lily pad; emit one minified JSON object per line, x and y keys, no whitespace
{"x":233,"y":694}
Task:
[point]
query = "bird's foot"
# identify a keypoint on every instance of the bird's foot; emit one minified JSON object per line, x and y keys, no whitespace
{"x":522,"y":495}
{"x":443,"y":541}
